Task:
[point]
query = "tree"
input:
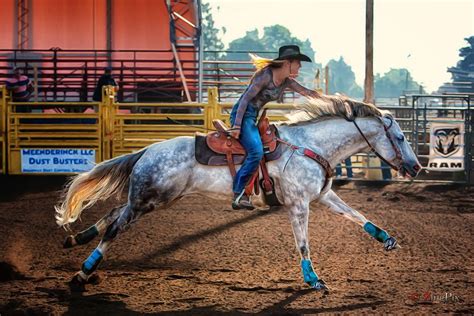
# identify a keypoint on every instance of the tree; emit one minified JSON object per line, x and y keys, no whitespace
{"x":267,"y":46}
{"x":210,"y":32}
{"x":464,"y":72}
{"x":342,"y":79}
{"x":394,"y":83}
{"x":239,"y":47}
{"x":467,"y":54}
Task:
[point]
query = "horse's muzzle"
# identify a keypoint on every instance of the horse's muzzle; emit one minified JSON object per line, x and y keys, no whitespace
{"x":410,"y":170}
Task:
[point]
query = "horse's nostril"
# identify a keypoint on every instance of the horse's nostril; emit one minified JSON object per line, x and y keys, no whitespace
{"x":417,"y":167}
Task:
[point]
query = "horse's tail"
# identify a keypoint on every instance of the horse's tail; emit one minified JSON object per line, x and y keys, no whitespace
{"x":103,"y":181}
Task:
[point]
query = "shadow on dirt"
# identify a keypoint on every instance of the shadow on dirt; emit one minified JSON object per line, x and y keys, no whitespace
{"x":14,"y":186}
{"x":112,"y":304}
{"x":193,"y":238}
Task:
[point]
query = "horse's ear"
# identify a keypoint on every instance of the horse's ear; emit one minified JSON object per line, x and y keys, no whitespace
{"x":389,"y":117}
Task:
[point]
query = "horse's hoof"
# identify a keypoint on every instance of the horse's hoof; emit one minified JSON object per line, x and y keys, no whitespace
{"x":77,"y":284}
{"x":390,"y":244}
{"x":242,"y":206}
{"x":320,"y":285}
{"x":94,"y":279}
{"x":69,"y":242}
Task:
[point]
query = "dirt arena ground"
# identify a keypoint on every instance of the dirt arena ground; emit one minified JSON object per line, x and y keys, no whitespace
{"x":200,"y":259}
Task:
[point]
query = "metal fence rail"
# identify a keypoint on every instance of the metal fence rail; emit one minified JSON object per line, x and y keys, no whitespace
{"x":51,"y":125}
{"x":111,"y":128}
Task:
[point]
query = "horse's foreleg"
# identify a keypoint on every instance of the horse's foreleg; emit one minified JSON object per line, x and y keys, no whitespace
{"x":299,"y":215}
{"x":93,"y":231}
{"x":335,"y":203}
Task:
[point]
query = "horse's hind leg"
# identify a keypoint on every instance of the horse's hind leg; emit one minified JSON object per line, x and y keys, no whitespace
{"x":335,"y":203}
{"x":126,"y":216}
{"x":93,"y":231}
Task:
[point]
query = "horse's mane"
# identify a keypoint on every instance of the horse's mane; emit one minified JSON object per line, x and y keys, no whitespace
{"x":331,"y":106}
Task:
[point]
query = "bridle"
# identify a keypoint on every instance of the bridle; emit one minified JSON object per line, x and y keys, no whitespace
{"x":325,"y":164}
{"x":398,"y":154}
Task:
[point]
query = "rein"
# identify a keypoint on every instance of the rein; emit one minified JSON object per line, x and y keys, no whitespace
{"x":373,"y":150}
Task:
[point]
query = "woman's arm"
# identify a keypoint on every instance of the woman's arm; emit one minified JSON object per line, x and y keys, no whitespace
{"x":295,"y":86}
{"x":260,"y":81}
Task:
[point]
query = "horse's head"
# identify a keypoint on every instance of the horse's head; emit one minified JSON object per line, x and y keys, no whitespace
{"x":393,"y":146}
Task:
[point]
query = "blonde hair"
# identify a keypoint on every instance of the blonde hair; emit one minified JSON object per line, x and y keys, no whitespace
{"x":261,"y":63}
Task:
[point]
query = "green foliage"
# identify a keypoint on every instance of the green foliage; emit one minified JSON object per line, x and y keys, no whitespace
{"x":467,"y":62}
{"x":394,"y":83}
{"x":267,"y":46}
{"x":249,"y":43}
{"x":462,"y":73}
{"x":210,"y":32}
{"x":342,"y":79}
{"x":465,"y":66}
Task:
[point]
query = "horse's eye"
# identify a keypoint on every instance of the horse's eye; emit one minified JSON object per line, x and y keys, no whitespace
{"x":401,"y":138}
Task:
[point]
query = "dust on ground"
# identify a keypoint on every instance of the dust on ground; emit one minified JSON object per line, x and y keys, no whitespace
{"x":200,"y":258}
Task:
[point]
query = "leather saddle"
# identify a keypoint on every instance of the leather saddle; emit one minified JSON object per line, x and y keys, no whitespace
{"x":220,"y":149}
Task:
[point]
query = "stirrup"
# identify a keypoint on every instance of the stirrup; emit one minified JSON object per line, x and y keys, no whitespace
{"x":242,"y":202}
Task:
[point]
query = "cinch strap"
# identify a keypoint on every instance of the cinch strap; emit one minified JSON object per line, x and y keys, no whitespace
{"x":310,"y":154}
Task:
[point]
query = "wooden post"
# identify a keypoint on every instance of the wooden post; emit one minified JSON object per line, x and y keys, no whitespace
{"x":326,"y":79}
{"x":181,"y":73}
{"x":108,"y":120}
{"x":369,"y":52}
{"x":213,"y":107}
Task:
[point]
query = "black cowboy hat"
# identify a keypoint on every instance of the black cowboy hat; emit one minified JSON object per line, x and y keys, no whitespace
{"x":291,"y":52}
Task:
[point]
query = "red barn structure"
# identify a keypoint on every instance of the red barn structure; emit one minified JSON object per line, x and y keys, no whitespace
{"x":153,"y":47}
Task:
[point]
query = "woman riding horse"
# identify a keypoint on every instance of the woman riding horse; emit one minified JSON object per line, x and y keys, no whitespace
{"x":329,"y":127}
{"x":268,"y":84}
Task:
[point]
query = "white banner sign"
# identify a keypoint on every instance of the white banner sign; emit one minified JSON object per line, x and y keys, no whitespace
{"x":57,"y":160}
{"x":446,"y":147}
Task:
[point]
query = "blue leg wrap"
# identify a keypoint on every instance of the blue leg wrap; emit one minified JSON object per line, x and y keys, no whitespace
{"x":309,"y":275}
{"x":92,"y":262}
{"x":379,"y":234}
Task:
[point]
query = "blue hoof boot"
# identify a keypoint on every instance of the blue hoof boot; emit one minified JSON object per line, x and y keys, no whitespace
{"x":390,"y":244}
{"x":320,"y":285}
{"x":311,"y":278}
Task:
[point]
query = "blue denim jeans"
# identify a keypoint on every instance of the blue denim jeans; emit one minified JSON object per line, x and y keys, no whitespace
{"x":348,"y":164}
{"x":250,"y":140}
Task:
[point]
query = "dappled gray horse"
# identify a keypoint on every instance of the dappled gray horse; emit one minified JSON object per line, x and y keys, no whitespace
{"x":162,"y":173}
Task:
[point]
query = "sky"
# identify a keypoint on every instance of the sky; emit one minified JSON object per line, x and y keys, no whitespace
{"x":423,"y":36}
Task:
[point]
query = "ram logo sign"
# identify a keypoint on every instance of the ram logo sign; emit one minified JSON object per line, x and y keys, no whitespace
{"x":446,"y":147}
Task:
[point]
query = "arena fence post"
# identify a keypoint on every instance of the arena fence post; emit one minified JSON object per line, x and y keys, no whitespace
{"x":469,"y":146}
{"x":108,"y":108}
{"x":213,"y":108}
{"x":3,"y":129}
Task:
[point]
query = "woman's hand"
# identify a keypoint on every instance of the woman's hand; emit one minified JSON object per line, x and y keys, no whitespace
{"x":235,"y":132}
